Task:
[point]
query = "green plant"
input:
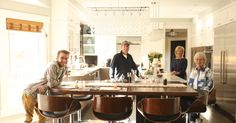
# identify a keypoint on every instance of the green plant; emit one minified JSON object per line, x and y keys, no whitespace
{"x":153,"y":55}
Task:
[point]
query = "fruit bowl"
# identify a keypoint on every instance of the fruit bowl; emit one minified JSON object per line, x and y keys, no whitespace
{"x":159,"y":75}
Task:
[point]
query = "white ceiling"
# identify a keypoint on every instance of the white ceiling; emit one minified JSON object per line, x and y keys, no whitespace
{"x":168,"y":8}
{"x":40,"y":3}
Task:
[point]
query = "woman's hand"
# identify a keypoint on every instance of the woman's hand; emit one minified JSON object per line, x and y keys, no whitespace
{"x":174,"y":73}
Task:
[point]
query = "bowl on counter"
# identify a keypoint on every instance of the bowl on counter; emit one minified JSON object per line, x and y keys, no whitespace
{"x":159,"y":75}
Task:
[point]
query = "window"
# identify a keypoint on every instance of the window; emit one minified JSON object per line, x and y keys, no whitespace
{"x":27,"y":60}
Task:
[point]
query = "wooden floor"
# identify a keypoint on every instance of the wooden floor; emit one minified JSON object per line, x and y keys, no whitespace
{"x":212,"y":115}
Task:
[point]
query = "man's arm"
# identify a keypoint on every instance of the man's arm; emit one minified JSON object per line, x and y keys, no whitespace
{"x":52,"y":80}
{"x":134,"y":66}
{"x":113,"y":66}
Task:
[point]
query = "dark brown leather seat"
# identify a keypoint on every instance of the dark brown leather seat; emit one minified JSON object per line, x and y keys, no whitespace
{"x":112,"y":108}
{"x":212,"y":96}
{"x":198,"y":106}
{"x":57,"y":106}
{"x":200,"y":103}
{"x":160,"y":110}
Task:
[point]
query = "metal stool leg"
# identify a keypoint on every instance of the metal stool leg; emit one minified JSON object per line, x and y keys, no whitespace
{"x":57,"y":121}
{"x":79,"y":115}
{"x":54,"y":120}
{"x":71,"y":118}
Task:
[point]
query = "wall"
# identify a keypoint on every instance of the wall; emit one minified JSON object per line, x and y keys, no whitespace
{"x":118,"y":25}
{"x":107,"y":27}
{"x":66,"y":16}
{"x":179,"y":24}
{"x":150,"y":44}
{"x":27,"y":8}
{"x":105,"y":48}
{"x":59,"y":27}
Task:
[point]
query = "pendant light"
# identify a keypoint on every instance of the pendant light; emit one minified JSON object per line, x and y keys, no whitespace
{"x":172,"y":33}
{"x":157,"y":33}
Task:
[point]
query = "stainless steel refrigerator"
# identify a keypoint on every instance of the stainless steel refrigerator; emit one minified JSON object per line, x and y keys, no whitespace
{"x":224,"y":68}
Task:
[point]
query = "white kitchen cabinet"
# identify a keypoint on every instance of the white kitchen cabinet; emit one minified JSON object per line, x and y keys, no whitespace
{"x":225,"y":15}
{"x":89,"y":44}
{"x":232,"y":13}
{"x":220,"y":17}
{"x":203,"y":34}
{"x":209,"y":39}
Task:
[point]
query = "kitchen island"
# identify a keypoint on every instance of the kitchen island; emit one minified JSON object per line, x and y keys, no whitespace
{"x":150,"y":87}
{"x":89,"y":73}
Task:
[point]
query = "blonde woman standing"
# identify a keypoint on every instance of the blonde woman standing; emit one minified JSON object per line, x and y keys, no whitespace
{"x":179,"y":64}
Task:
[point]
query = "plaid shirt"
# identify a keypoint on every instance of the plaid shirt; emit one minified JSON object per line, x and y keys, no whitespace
{"x":52,"y":77}
{"x":201,"y":79}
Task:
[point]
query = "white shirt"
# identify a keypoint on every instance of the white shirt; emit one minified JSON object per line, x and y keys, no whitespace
{"x":125,"y":56}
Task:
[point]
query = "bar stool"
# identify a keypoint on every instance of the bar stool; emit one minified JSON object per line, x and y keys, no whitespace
{"x":199,"y":105}
{"x":212,"y":96}
{"x":81,"y":98}
{"x":57,"y":107}
{"x":160,"y":109}
{"x":112,"y":108}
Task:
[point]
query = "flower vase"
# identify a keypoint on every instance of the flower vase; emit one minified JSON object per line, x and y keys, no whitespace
{"x":159,"y":63}
{"x":150,"y":65}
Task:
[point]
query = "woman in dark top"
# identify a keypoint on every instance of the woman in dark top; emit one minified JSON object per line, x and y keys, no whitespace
{"x":179,"y":64}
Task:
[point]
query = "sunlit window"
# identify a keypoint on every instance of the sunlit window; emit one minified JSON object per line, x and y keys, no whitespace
{"x":27,"y":60}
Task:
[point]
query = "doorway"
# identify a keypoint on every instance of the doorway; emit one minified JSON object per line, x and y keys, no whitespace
{"x":174,"y":44}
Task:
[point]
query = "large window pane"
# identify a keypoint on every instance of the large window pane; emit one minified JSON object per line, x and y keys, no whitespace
{"x":27,"y":58}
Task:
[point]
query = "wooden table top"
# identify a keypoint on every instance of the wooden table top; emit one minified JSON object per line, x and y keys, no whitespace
{"x":116,"y":88}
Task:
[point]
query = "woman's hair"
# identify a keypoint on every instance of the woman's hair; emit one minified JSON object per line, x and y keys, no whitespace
{"x":179,"y":48}
{"x":200,"y":55}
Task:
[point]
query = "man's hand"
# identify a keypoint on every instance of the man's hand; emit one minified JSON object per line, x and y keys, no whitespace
{"x":41,"y":89}
{"x":112,"y":79}
{"x":141,"y":77}
{"x":173,"y":73}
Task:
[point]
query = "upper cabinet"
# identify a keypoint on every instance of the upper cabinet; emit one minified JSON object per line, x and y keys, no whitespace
{"x":203,"y":26}
{"x":89,"y":45}
{"x":225,"y":15}
{"x":220,"y":17}
{"x":87,"y":37}
{"x":232,"y":13}
{"x":203,"y":31}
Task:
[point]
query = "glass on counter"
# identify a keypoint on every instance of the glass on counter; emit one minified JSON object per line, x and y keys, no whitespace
{"x":80,"y":84}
